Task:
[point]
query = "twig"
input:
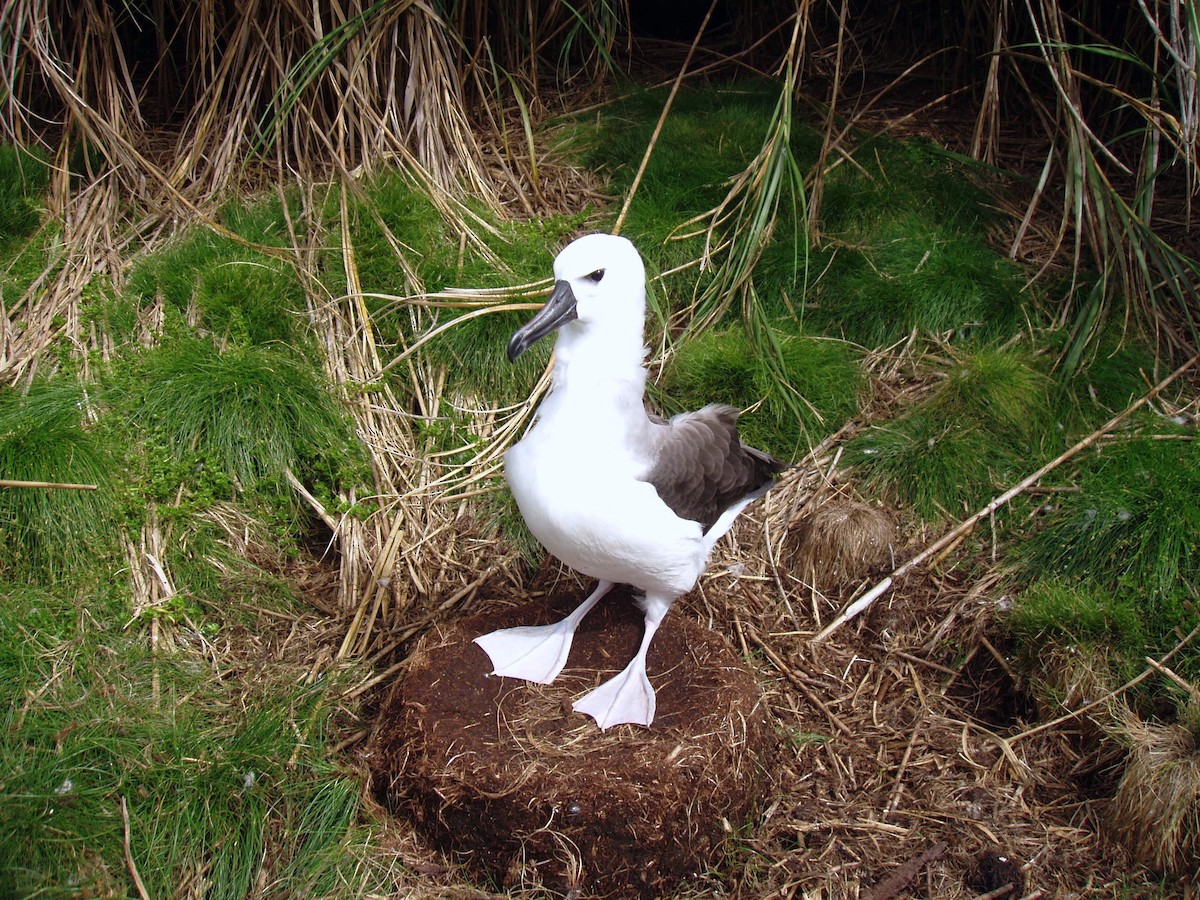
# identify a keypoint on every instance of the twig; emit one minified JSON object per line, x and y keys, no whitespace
{"x":57,"y":485}
{"x":891,"y":886}
{"x":956,"y":533}
{"x":1146,"y":673}
{"x":133,"y":870}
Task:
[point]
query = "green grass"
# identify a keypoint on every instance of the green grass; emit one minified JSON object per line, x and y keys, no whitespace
{"x":1061,"y":611}
{"x":46,"y":435}
{"x":235,"y":292}
{"x":248,"y":414}
{"x":1135,"y":523}
{"x":1113,"y":568}
{"x":721,"y":366}
{"x":914,"y":273}
{"x":227,"y":781}
{"x":978,"y":432}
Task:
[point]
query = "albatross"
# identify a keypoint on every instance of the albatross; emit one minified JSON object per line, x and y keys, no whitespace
{"x":614,"y":492}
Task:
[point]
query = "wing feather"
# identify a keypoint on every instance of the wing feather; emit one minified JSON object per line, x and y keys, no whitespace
{"x":702,"y":467}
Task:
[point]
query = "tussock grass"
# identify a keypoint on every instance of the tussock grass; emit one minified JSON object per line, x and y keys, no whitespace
{"x":1134,"y":524}
{"x":915,"y":277}
{"x":252,"y":413}
{"x":923,"y":461}
{"x":46,"y":435}
{"x":227,"y":784}
{"x":979,"y":429}
{"x":1068,"y":611}
{"x":236,"y":292}
{"x":1113,"y":567}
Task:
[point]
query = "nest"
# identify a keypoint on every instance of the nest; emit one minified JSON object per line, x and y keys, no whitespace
{"x":529,"y":793}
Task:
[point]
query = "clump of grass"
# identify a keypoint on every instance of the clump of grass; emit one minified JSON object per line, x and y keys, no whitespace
{"x":225,"y":780}
{"x":974,"y":434}
{"x":1135,"y":523}
{"x":721,"y":366}
{"x":898,"y":180}
{"x":253,"y":413}
{"x":1003,"y":389}
{"x":229,"y":289}
{"x":24,"y":177}
{"x":46,"y":436}
{"x":1156,"y":809}
{"x":1120,"y":369}
{"x":938,"y":468}
{"x":1064,"y":611}
{"x":914,"y":274}
{"x":1116,"y":564}
{"x":905,"y":231}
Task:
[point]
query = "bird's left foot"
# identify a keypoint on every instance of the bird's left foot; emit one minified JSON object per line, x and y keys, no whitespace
{"x":627,"y":697}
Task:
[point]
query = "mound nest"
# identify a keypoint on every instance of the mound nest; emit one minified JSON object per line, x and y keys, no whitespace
{"x":528,"y":793}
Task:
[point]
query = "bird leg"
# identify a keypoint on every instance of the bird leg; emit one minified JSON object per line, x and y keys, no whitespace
{"x":537,"y":652}
{"x":628,"y":695}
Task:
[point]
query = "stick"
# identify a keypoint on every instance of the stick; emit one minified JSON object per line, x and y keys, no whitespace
{"x":137,"y":879}
{"x":945,"y":540}
{"x":58,"y":485}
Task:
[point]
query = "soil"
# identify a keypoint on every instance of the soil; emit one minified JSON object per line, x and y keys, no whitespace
{"x":507,"y":777}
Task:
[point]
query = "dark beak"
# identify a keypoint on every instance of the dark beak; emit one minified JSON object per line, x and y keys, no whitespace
{"x":558,"y":311}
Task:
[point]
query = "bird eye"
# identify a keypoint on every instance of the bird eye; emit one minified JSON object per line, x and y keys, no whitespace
{"x":595,"y":277}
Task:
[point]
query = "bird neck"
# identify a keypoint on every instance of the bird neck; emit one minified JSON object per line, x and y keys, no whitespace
{"x":601,"y":360}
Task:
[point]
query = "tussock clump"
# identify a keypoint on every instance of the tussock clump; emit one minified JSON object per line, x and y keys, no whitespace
{"x":45,"y":436}
{"x":839,"y":541}
{"x":1156,"y":810}
{"x":956,"y":447}
{"x":722,"y":366}
{"x":255,"y":413}
{"x":219,"y":284}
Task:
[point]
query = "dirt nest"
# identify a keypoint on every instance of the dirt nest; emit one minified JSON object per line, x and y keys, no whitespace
{"x":528,"y":793}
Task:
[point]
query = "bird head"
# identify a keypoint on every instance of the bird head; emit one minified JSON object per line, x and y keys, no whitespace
{"x":599,"y":284}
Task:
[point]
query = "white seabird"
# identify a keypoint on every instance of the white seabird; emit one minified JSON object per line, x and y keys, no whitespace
{"x":615,"y":493}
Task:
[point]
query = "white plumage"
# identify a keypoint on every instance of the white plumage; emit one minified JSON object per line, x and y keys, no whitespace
{"x":611,"y":491}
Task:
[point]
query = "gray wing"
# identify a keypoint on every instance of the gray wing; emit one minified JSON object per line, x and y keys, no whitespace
{"x":702,"y":467}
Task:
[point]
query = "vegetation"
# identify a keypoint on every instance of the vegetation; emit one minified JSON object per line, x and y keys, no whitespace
{"x":253,"y":393}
